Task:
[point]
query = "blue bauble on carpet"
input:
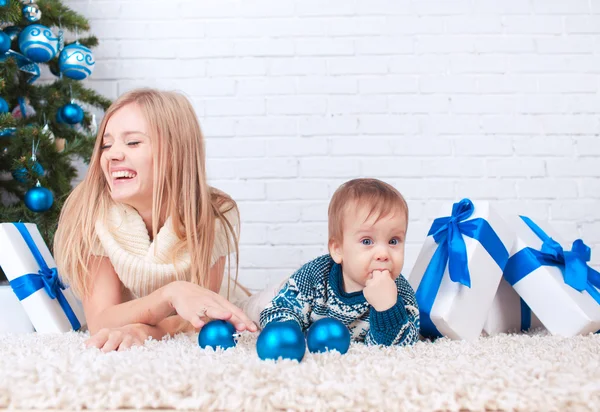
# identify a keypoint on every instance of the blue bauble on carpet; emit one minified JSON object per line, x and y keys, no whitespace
{"x":281,"y":340}
{"x":217,"y":333}
{"x":328,"y":334}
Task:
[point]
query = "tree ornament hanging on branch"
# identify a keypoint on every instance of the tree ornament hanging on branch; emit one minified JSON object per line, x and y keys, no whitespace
{"x":4,"y":42}
{"x":12,"y":32}
{"x":23,"y":109}
{"x":70,"y":113}
{"x":39,"y":44}
{"x":59,"y":143}
{"x":31,"y":12}
{"x":30,"y":167}
{"x":39,"y":199}
{"x":76,"y":61}
{"x":23,"y":62}
{"x":3,"y":106}
{"x":93,"y":129}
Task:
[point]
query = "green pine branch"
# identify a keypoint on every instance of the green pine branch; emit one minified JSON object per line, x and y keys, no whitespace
{"x":11,"y":13}
{"x":46,"y":99}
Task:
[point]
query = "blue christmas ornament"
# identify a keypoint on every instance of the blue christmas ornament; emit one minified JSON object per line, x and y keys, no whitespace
{"x":38,"y":43}
{"x":12,"y":32}
{"x":8,"y":132}
{"x":4,"y":42}
{"x":3,"y":3}
{"x":281,"y":340}
{"x":328,"y":334}
{"x":39,"y":199}
{"x":20,"y":175}
{"x":217,"y":333}
{"x":59,"y":118}
{"x":31,"y":12}
{"x":3,"y":106}
{"x":76,"y":61}
{"x":70,"y":113}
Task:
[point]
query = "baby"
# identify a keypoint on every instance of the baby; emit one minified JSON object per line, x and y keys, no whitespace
{"x":359,"y":281}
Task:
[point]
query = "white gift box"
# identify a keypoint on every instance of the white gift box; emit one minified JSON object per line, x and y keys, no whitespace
{"x":507,"y":313}
{"x":458,"y":311}
{"x":17,"y":260}
{"x":13,"y":318}
{"x":562,"y":309}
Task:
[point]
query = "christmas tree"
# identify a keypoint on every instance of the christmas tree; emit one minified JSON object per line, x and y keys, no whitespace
{"x":43,"y":124}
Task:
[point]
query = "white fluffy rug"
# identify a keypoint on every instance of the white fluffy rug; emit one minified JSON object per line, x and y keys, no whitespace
{"x":506,"y":372}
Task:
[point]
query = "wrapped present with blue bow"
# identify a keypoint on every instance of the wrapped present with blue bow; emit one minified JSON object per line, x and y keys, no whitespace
{"x":31,"y":272}
{"x":13,"y":318}
{"x":556,"y":283}
{"x":509,"y":313}
{"x":458,"y":270}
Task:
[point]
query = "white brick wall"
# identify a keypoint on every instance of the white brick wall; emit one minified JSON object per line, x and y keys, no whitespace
{"x":444,"y":99}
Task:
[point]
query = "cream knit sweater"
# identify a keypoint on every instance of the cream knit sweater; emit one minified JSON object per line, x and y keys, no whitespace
{"x":144,"y":265}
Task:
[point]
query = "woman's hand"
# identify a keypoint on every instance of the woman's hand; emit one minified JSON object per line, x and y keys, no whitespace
{"x":120,"y":339}
{"x":198,"y":305}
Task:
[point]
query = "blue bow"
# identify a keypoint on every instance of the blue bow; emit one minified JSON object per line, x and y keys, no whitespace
{"x":24,"y":64}
{"x":572,"y":264}
{"x":448,"y":234}
{"x":46,"y":278}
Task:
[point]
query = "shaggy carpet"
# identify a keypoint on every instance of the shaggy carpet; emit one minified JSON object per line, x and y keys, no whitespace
{"x":504,"y":372}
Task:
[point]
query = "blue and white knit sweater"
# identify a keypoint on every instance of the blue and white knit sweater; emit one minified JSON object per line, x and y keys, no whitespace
{"x":316,"y":291}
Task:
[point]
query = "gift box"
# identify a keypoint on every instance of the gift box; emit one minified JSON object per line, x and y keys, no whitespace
{"x":557,"y":284}
{"x":13,"y":318}
{"x":458,"y":270}
{"x":31,"y":271}
{"x":509,"y":313}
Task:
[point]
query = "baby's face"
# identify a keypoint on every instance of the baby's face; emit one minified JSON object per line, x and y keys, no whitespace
{"x":369,"y":245}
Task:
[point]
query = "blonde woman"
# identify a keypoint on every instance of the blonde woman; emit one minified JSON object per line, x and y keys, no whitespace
{"x":144,"y":239}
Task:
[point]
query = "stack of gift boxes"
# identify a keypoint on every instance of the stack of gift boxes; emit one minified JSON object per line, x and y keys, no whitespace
{"x":480,"y":271}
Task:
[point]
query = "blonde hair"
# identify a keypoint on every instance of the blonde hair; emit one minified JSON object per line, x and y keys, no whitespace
{"x":382,"y":199}
{"x":180,"y":191}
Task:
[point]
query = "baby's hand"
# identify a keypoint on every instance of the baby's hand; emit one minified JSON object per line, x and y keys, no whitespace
{"x":380,"y":291}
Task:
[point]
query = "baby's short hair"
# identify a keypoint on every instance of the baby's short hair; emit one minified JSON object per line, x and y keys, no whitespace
{"x":382,"y":198}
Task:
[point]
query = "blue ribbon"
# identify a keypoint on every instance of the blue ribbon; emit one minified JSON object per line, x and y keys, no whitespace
{"x":572,"y":264}
{"x":448,"y":234}
{"x":24,"y":64}
{"x":46,"y":278}
{"x":22,"y":107}
{"x":525,"y":315}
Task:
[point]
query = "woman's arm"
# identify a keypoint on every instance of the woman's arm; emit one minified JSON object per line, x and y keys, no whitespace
{"x":106,"y":300}
{"x":104,"y":307}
